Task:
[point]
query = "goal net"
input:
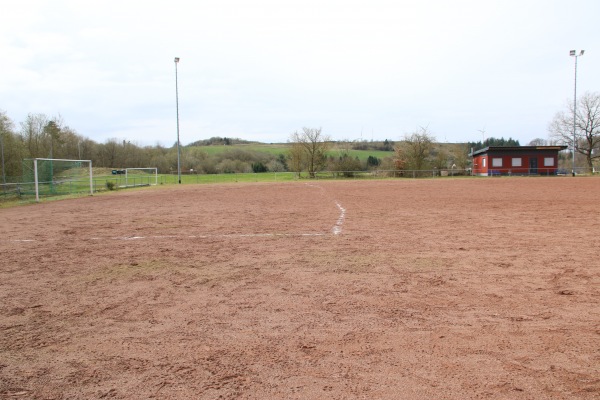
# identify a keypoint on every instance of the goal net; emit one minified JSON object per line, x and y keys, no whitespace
{"x":141,"y":177}
{"x":53,"y":176}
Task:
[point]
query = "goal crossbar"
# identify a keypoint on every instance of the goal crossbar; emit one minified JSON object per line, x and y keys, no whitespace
{"x":36,"y":180}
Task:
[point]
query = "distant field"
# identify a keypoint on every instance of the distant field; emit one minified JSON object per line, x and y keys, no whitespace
{"x":282,"y":148}
{"x":274,"y":149}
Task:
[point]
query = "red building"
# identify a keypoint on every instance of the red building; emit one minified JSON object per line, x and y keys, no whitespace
{"x":521,"y":160}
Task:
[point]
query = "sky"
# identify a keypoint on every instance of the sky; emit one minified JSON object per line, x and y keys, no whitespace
{"x":260,"y":70}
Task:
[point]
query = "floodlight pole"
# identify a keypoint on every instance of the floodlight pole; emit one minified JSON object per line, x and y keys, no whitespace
{"x":177,"y":107}
{"x":573,"y":53}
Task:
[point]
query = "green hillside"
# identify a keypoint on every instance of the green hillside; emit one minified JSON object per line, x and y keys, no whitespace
{"x":282,"y":148}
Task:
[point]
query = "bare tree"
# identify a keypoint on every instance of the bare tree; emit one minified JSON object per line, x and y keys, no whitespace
{"x":416,"y":148}
{"x":70,"y":143}
{"x":587,"y":127}
{"x":309,"y":149}
{"x":5,"y":127}
{"x":52,"y":132}
{"x":108,"y":153}
{"x":32,"y":132}
{"x":460,"y":156}
{"x":296,"y":158}
{"x":440,"y":158}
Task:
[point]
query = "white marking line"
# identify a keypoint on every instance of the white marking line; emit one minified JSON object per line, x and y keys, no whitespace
{"x":227,"y":236}
{"x":337,"y":229}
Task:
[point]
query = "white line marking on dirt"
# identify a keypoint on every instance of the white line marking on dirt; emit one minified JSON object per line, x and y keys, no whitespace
{"x":227,"y":236}
{"x":244,"y":235}
{"x":337,"y":229}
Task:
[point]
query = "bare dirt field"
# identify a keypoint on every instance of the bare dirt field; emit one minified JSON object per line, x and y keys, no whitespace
{"x":414,"y":289}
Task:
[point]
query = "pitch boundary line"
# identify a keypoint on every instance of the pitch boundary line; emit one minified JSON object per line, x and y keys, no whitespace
{"x":337,"y":229}
{"x":152,"y":237}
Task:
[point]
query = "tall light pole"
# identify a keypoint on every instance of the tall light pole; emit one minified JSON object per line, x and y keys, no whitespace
{"x":573,"y":53}
{"x":177,"y":106}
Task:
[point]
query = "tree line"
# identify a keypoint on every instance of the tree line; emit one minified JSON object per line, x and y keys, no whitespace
{"x":501,"y":142}
{"x":417,"y":151}
{"x":40,"y":136}
{"x":309,"y":150}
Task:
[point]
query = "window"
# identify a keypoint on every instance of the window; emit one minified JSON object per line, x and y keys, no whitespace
{"x":517,"y":162}
{"x":548,"y":161}
{"x":483,"y":162}
{"x":496,"y":162}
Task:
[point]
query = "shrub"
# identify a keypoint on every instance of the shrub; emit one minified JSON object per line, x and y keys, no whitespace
{"x":258,"y":167}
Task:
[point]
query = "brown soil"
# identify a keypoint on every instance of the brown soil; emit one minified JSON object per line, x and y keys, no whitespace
{"x":416,"y":289}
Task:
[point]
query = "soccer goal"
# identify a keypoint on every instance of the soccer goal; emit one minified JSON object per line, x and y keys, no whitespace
{"x":52,"y":176}
{"x":141,"y":177}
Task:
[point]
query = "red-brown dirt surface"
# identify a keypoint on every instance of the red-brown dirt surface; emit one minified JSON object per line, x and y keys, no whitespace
{"x":415,"y":289}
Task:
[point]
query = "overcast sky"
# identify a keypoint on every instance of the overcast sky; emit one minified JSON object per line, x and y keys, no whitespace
{"x":262,"y":69}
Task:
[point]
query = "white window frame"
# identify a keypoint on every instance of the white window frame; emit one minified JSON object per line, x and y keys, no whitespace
{"x":483,"y":162}
{"x":497,"y":162}
{"x":517,"y":162}
{"x":548,"y":161}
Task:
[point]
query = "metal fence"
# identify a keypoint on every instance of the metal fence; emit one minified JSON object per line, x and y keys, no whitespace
{"x":373,"y":174}
{"x":54,"y":188}
{"x":289,"y":176}
{"x":26,"y":190}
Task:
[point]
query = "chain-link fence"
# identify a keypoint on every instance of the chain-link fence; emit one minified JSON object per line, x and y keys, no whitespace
{"x":19,"y":188}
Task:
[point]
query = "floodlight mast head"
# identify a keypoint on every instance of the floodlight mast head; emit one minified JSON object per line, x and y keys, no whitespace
{"x":176,"y":59}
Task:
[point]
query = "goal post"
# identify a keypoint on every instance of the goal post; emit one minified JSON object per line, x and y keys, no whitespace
{"x":51,"y":168}
{"x":144,"y":175}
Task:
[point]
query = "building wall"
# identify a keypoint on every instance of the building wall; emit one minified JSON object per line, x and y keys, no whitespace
{"x":480,"y":165}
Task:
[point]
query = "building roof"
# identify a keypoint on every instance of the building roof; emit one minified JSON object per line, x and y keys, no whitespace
{"x":516,"y":149}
